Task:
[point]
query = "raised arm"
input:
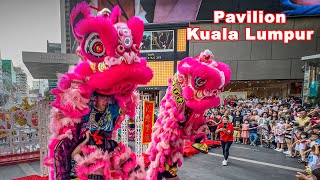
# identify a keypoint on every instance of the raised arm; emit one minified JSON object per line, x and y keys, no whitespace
{"x":77,"y":150}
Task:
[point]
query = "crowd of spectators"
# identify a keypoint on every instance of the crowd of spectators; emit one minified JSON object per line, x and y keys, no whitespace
{"x":281,"y":124}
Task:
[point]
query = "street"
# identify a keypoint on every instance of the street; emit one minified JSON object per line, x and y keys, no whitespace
{"x":246,"y":162}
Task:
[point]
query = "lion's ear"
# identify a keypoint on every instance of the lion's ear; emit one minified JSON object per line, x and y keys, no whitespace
{"x":81,"y":11}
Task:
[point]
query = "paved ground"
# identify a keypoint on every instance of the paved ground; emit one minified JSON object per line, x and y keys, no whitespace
{"x":246,"y":163}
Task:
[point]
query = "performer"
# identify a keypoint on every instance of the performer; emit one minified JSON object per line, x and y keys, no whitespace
{"x":226,"y":136}
{"x":101,"y":120}
{"x":99,"y":124}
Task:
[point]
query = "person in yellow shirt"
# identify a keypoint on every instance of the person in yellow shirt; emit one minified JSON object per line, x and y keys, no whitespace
{"x":303,"y":118}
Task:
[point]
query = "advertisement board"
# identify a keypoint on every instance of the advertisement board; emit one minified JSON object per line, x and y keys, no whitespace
{"x":165,"y":11}
{"x":157,"y":41}
{"x":182,"y":11}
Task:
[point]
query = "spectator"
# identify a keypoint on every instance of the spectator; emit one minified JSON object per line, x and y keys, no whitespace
{"x":215,"y":120}
{"x":238,"y":117}
{"x":315,"y":129}
{"x":270,"y":113}
{"x":274,"y":117}
{"x":259,"y":109}
{"x":264,"y":127}
{"x":227,"y":114}
{"x":245,"y":131}
{"x":237,"y":130}
{"x":275,"y":107}
{"x":303,"y":147}
{"x":296,"y":143}
{"x":313,"y":162}
{"x":303,"y":118}
{"x":279,"y":133}
{"x":315,"y":175}
{"x":249,"y":114}
{"x":288,"y":137}
{"x":253,"y":132}
{"x":255,"y":115}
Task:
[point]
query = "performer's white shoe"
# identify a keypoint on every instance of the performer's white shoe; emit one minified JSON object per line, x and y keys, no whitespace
{"x":224,"y":163}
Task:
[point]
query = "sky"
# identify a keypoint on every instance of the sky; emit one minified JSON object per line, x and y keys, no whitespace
{"x":26,"y":26}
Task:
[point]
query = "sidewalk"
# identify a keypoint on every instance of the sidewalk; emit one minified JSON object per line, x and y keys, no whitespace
{"x":19,"y":170}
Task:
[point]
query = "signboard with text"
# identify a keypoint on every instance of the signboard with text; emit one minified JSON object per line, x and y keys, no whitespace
{"x":148,"y":120}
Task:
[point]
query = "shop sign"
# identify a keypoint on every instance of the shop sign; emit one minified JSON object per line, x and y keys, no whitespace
{"x":148,"y":120}
{"x":306,"y":83}
{"x":153,"y":57}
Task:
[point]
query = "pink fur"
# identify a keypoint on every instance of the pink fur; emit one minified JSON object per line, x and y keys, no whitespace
{"x":137,"y":28}
{"x":64,"y":82}
{"x":226,"y":69}
{"x":93,"y":161}
{"x":131,"y":74}
{"x":70,"y":102}
{"x":115,"y":15}
{"x":83,"y":69}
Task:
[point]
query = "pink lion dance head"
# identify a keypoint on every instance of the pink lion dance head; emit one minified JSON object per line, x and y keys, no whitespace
{"x":110,"y":50}
{"x":204,"y":80}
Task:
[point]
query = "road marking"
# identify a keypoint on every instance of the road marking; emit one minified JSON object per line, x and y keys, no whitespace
{"x":245,"y":148}
{"x":26,"y":168}
{"x":258,"y":162}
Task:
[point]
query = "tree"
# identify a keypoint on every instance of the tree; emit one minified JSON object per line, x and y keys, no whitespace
{"x":47,"y":95}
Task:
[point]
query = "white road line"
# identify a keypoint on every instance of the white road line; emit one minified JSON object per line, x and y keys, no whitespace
{"x":258,"y":162}
{"x":245,"y":148}
{"x":26,"y":168}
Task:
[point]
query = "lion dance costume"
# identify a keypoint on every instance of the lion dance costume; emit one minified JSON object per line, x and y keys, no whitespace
{"x":81,"y":143}
{"x":110,"y":66}
{"x":193,"y":89}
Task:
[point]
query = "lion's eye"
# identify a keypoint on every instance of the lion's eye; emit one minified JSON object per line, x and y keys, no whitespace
{"x":94,"y":46}
{"x":198,"y":82}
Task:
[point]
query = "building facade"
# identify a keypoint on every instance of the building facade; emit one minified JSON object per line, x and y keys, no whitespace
{"x":8,"y":75}
{"x":1,"y":79}
{"x":53,"y":47}
{"x":68,"y":43}
{"x":40,"y":86}
{"x":9,"y":84}
{"x":21,"y":84}
{"x":260,"y":68}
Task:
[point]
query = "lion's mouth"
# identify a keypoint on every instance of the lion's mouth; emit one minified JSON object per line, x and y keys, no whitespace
{"x":123,"y":90}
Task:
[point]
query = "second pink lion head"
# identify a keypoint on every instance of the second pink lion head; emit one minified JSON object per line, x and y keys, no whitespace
{"x":203,"y":79}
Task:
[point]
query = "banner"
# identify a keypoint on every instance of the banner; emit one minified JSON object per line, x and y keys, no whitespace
{"x":148,"y":120}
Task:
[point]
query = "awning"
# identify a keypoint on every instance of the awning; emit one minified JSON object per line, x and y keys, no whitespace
{"x":47,"y":65}
{"x":312,"y":58}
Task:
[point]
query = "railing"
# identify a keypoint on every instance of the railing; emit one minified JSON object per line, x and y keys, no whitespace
{"x":19,"y":136}
{"x":24,"y":135}
{"x":44,"y":131}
